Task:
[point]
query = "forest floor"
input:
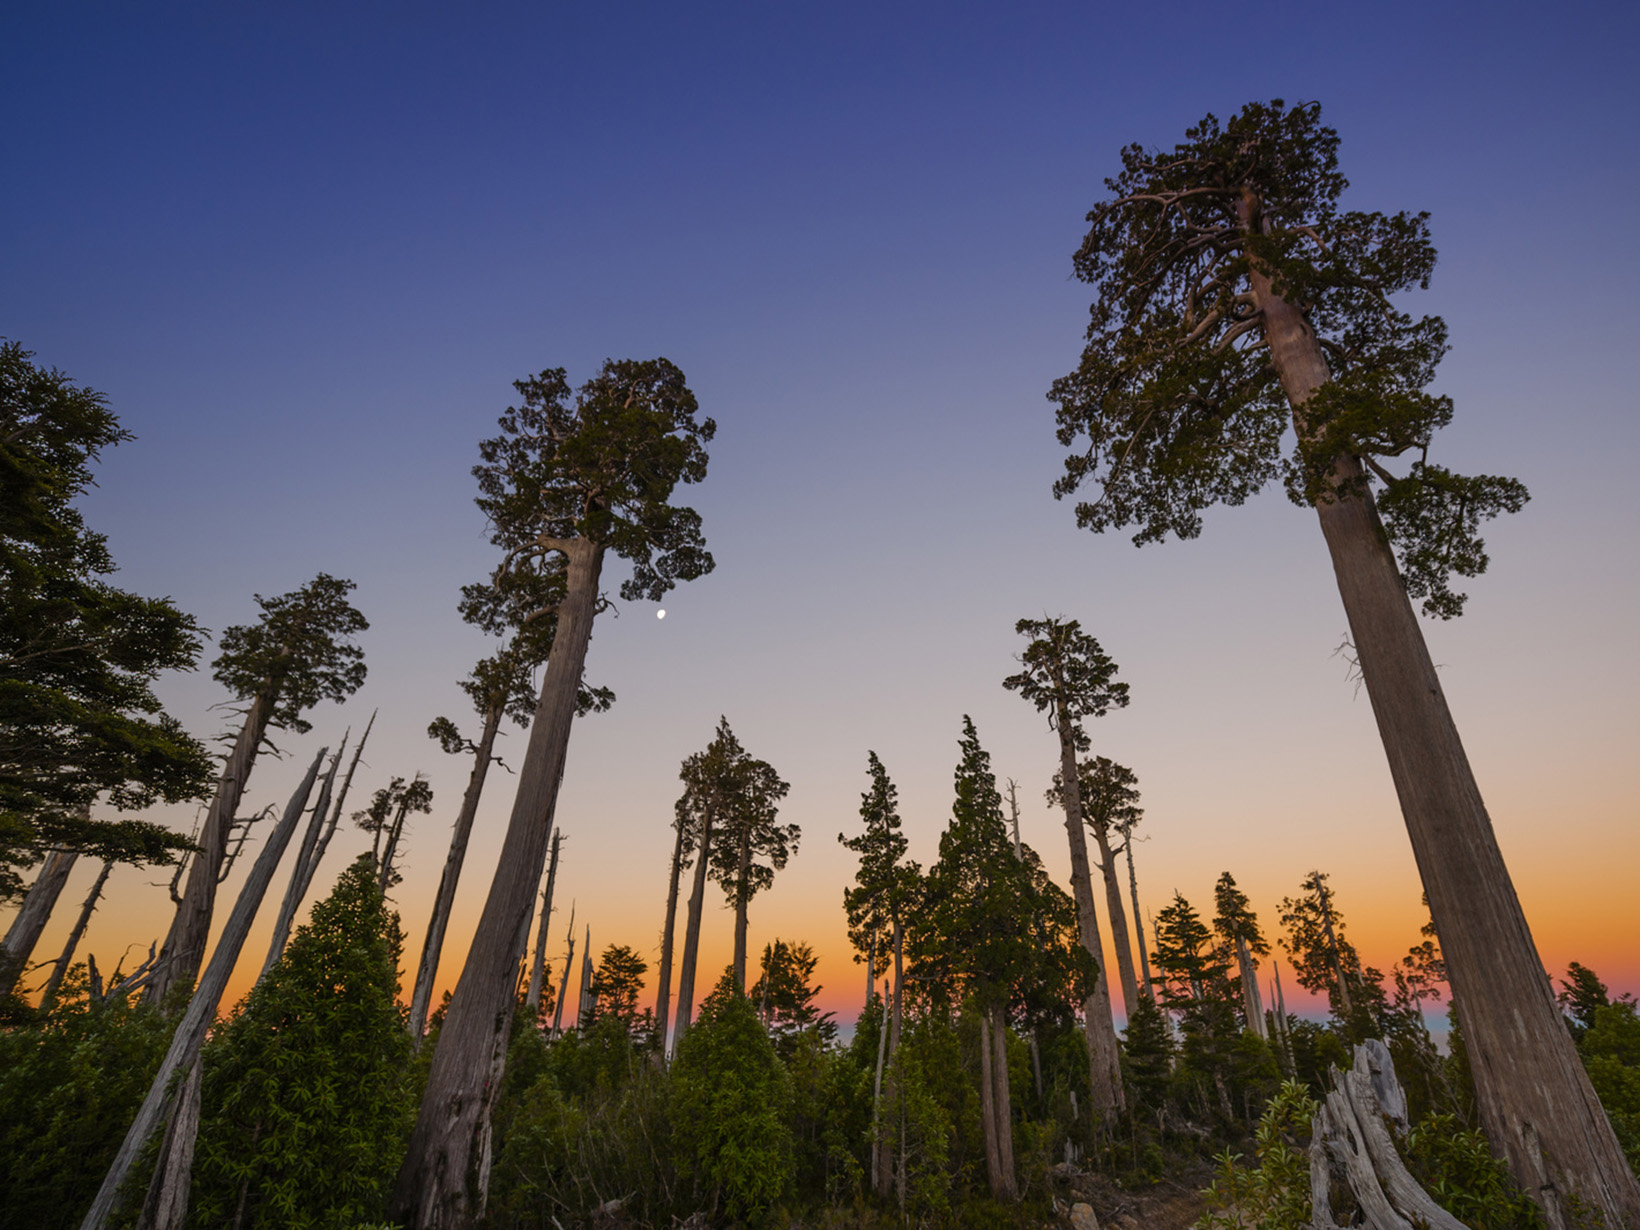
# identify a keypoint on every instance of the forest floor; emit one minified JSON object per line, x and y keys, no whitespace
{"x":1172,"y":1204}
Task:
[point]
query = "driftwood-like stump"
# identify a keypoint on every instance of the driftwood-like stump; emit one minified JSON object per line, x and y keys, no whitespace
{"x":1352,"y":1133}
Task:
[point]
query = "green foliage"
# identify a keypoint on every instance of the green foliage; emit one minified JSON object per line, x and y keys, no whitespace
{"x":831,"y":1122}
{"x":885,"y":888}
{"x":70,"y":1084}
{"x":1067,"y":675}
{"x":298,"y":653}
{"x":930,"y":1117}
{"x":617,"y":983}
{"x":1611,"y":1053}
{"x":730,"y":1113}
{"x":1582,"y":994}
{"x":79,"y":718}
{"x":305,"y":1106}
{"x":1147,"y":1053}
{"x":784,"y":996}
{"x":1276,"y":1194}
{"x":1177,"y":406}
{"x":1457,"y":1168}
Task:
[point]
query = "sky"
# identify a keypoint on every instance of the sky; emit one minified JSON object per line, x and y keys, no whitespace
{"x":305,"y":249}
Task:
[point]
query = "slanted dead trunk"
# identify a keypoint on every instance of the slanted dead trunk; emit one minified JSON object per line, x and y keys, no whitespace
{"x":587,"y":1006}
{"x":166,"y":1206}
{"x":879,"y":1176}
{"x":184,"y":949}
{"x":393,"y":836}
{"x":439,"y":1184}
{"x":663,"y":993}
{"x":1138,"y":922}
{"x":433,"y":945}
{"x":1251,"y":1002}
{"x":538,"y":967}
{"x":1118,"y":923}
{"x":691,"y":929}
{"x":1099,"y":1027}
{"x":1534,"y":1097}
{"x":300,"y":874}
{"x":76,"y":934}
{"x":201,"y":1011}
{"x":25,"y":929}
{"x":563,"y":983}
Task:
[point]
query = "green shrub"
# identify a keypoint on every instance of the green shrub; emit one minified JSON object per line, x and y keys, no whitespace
{"x":1457,"y":1168}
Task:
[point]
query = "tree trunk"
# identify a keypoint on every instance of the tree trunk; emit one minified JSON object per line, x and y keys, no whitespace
{"x":1002,"y":1104}
{"x":691,"y":929}
{"x":894,"y":1022}
{"x":166,"y":1206}
{"x":742,"y":900}
{"x":393,"y":848}
{"x":184,"y":949}
{"x":1251,"y":1003}
{"x":200,"y":1013}
{"x":987,"y":1109}
{"x":1323,"y":897}
{"x":74,"y":936}
{"x":587,"y":1007}
{"x":563,"y":983}
{"x":336,"y":810}
{"x":1118,"y":924}
{"x":538,"y":967}
{"x":436,"y":1185}
{"x":1138,"y":920}
{"x":663,"y":995}
{"x":431,"y":947}
{"x":879,"y":1176}
{"x":871,"y":970}
{"x":25,"y":929}
{"x":299,"y":873}
{"x":1534,"y":1097}
{"x":1104,"y":1063}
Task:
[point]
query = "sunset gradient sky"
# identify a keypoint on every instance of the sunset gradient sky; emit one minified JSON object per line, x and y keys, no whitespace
{"x":304,"y":249}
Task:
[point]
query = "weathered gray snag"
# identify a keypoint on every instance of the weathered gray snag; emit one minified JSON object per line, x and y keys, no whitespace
{"x":563,"y":982}
{"x":75,"y":935}
{"x":201,"y":1010}
{"x":691,"y":929}
{"x":586,"y":1005}
{"x":663,"y":991}
{"x":538,"y":966}
{"x":1118,"y":919}
{"x":25,"y":929}
{"x":300,"y":873}
{"x":166,"y":1206}
{"x":1138,"y":919}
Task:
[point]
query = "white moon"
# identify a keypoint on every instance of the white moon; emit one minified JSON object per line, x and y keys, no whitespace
{"x":660,"y":614}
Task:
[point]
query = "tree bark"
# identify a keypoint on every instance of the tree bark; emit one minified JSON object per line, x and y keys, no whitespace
{"x":336,"y":810}
{"x":433,"y":945}
{"x":201,"y":1009}
{"x":879,"y":1177}
{"x":437,"y":1184}
{"x":1002,"y":1109}
{"x":25,"y":929}
{"x":184,"y":949}
{"x":987,"y":1108}
{"x":587,"y":1006}
{"x":299,"y":873}
{"x":1251,"y":1003}
{"x":742,"y":900}
{"x":563,"y":983}
{"x":1534,"y":1097}
{"x":1138,"y":920}
{"x":691,"y":930}
{"x":166,"y":1206}
{"x":663,"y":995}
{"x":1104,"y":1063}
{"x":74,"y":936}
{"x":538,"y":967}
{"x":1118,"y":924}
{"x":1323,"y":896}
{"x":393,"y":848}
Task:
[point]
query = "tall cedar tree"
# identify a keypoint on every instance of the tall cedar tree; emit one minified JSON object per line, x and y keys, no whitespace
{"x":306,"y":1097}
{"x":78,"y":658}
{"x":1323,"y":958}
{"x":384,"y":820}
{"x":616,"y":984}
{"x":885,"y":890}
{"x":685,"y":836}
{"x":973,"y":940}
{"x":575,"y":475}
{"x":747,"y":833}
{"x":1236,"y":299}
{"x":1110,"y":807}
{"x":518,"y":606}
{"x":1238,"y":927}
{"x":296,"y":655}
{"x":1193,"y":976}
{"x":1067,"y":675}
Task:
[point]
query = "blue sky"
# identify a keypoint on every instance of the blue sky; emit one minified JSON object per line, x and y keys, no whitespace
{"x":304,"y":249}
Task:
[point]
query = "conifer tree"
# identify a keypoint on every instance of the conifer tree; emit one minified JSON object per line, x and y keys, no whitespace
{"x":616,"y":984}
{"x":1323,"y":958}
{"x":1193,"y":976}
{"x":1238,"y":927}
{"x":751,"y":846}
{"x":708,"y":780}
{"x":1067,"y":675}
{"x":1235,"y":301}
{"x":577,"y":476}
{"x":296,"y":655}
{"x":306,"y":1092}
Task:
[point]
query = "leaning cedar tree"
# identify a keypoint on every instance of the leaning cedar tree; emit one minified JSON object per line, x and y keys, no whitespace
{"x":1067,"y":675}
{"x":577,"y":475}
{"x":79,"y":720}
{"x":296,"y":655}
{"x":1234,"y":299}
{"x":517,"y":605}
{"x":1238,"y":927}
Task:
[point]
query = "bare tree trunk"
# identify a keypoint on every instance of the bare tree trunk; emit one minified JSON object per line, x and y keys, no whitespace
{"x":563,"y":983}
{"x":879,"y":1175}
{"x":1104,"y":1063}
{"x":201,"y":1010}
{"x":1013,"y":812}
{"x":691,"y":929}
{"x":895,"y":1023}
{"x":1324,"y":896}
{"x":336,"y":809}
{"x":587,"y":1006}
{"x":1002,"y":1103}
{"x":393,"y":847}
{"x":1251,"y":1003}
{"x":987,"y":1108}
{"x":1138,"y":920}
{"x":437,"y":1185}
{"x":663,"y":995}
{"x":433,"y":945}
{"x":74,"y":936}
{"x":742,"y":900}
{"x":299,"y":873}
{"x":184,"y":949}
{"x":25,"y":929}
{"x":538,"y":967}
{"x":1535,"y":1099}
{"x":166,"y":1206}
{"x":871,"y":970}
{"x":1118,"y":924}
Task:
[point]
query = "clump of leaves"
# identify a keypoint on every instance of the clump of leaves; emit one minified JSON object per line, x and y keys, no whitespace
{"x":1458,"y":1169}
{"x":1275,"y":1195}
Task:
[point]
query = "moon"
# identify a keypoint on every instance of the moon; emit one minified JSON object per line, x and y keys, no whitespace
{"x":660,"y":614}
